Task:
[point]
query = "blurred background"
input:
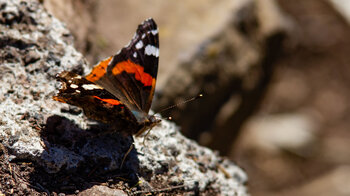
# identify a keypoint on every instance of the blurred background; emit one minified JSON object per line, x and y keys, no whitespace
{"x":274,"y":75}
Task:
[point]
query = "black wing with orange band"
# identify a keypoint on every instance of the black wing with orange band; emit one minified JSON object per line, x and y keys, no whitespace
{"x":130,"y":75}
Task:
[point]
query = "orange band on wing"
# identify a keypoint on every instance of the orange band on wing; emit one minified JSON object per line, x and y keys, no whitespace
{"x":110,"y":101}
{"x":98,"y":71}
{"x":133,"y":68}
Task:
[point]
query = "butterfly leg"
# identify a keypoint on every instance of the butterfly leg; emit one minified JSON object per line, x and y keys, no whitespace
{"x":126,"y":154}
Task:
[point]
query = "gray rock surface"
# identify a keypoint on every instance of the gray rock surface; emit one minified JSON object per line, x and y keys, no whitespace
{"x":185,"y":162}
{"x":34,"y":47}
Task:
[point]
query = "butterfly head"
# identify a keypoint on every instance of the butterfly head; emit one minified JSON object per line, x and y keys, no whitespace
{"x":149,"y":122}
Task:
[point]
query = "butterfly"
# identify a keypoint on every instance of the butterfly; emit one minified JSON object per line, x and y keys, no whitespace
{"x":119,"y":90}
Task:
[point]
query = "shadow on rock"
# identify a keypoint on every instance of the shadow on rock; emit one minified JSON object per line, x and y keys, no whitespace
{"x":76,"y":159}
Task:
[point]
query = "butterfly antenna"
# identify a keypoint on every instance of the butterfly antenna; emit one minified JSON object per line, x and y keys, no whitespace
{"x":183,"y":102}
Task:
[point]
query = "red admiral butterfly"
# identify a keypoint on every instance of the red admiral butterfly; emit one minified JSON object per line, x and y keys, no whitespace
{"x":119,"y":90}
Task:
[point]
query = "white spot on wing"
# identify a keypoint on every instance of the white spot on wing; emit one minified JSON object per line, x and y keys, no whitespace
{"x":135,"y":55}
{"x":143,"y":36}
{"x":152,"y":50}
{"x":74,"y":86}
{"x":91,"y":86}
{"x":154,"y":32}
{"x":78,"y":91}
{"x":139,"y":44}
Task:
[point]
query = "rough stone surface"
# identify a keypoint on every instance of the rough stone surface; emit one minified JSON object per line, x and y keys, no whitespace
{"x":185,"y":163}
{"x":61,"y":142}
{"x":34,"y":48}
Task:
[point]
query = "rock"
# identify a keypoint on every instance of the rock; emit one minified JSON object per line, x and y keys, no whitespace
{"x":31,"y":57}
{"x":62,"y":144}
{"x":26,"y":89}
{"x":102,"y":190}
{"x":184,"y":162}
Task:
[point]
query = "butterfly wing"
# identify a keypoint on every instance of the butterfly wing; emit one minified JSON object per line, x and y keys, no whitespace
{"x":96,"y":102}
{"x":131,"y":74}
